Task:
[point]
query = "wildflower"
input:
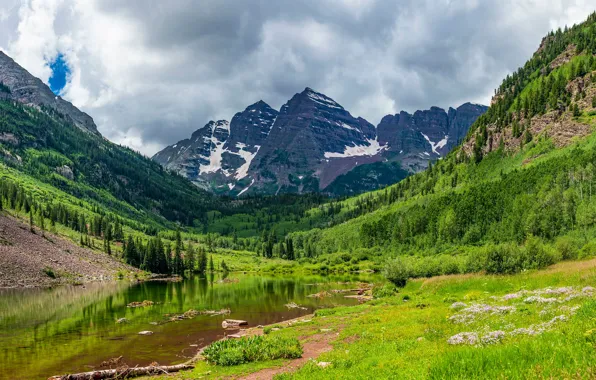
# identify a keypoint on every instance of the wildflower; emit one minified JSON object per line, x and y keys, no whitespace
{"x":493,"y":337}
{"x":538,"y":299}
{"x":558,"y":291}
{"x":470,"y":338}
{"x":539,"y":328}
{"x":588,"y":290}
{"x":458,"y":305}
{"x":511,"y":296}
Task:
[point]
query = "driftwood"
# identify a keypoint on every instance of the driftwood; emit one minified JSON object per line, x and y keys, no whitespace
{"x":124,"y":373}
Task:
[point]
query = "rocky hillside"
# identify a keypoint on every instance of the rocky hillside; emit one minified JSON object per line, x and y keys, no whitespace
{"x":19,"y":85}
{"x":44,"y":259}
{"x":313,"y":144}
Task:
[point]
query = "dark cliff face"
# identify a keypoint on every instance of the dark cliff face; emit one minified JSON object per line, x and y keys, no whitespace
{"x":426,"y":135}
{"x":220,"y":153}
{"x":310,"y":127}
{"x":251,"y":126}
{"x":314,"y":144}
{"x":460,"y":121}
{"x":27,"y":89}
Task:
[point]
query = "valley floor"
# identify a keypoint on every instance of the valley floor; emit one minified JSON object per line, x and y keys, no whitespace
{"x":40,"y":260}
{"x":538,"y":324}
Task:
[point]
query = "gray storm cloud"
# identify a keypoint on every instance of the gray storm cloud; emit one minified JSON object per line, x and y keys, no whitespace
{"x":151,"y":72}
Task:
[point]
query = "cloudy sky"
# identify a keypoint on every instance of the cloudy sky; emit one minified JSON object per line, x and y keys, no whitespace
{"x":151,"y":71}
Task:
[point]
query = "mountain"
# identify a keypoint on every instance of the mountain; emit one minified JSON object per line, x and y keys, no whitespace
{"x":220,"y":153}
{"x":20,"y":86}
{"x":49,"y":140}
{"x":313,"y":144}
{"x":517,"y":194}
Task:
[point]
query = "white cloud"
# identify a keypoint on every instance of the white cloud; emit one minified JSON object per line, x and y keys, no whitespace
{"x":150,"y":73}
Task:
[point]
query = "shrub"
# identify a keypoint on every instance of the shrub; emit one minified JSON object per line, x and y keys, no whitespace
{"x":503,"y":259}
{"x":231,"y":352}
{"x":588,"y":250}
{"x":476,"y":260}
{"x":538,"y":255}
{"x":567,"y":248}
{"x":50,"y":272}
{"x":397,"y":271}
{"x":387,"y":290}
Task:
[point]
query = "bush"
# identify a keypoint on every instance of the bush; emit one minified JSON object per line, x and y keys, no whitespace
{"x":588,"y":250}
{"x":397,"y":271}
{"x":503,"y":259}
{"x":231,"y":352}
{"x":567,"y":248}
{"x":476,"y":260}
{"x":50,"y":272}
{"x":538,"y":255}
{"x":387,"y":290}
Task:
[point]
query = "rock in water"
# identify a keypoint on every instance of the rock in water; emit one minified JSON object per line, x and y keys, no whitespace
{"x":233,"y":323}
{"x":146,"y":333}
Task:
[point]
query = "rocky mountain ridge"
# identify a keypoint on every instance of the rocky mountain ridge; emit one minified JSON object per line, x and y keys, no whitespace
{"x":313,"y":144}
{"x":19,"y":85}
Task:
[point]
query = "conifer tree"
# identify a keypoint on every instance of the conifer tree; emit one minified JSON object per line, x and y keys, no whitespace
{"x":189,"y":258}
{"x":177,"y":264}
{"x":202,"y":260}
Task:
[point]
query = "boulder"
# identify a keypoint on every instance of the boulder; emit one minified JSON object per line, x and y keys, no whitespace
{"x":233,"y":323}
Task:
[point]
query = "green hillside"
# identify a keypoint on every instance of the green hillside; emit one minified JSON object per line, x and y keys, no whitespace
{"x":519,"y":185}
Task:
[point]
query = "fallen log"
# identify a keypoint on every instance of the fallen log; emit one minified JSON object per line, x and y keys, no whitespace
{"x":124,"y":373}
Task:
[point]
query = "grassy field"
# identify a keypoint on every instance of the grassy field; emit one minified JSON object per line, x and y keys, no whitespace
{"x":537,"y":324}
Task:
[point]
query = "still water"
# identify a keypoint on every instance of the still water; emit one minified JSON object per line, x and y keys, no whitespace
{"x":70,"y":329}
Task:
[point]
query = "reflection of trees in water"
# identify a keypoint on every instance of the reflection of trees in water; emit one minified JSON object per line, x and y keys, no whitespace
{"x":65,"y":324}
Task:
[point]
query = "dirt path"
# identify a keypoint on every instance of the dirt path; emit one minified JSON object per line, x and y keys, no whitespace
{"x":313,"y":348}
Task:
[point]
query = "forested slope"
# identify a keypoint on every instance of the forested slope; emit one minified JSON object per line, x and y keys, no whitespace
{"x":523,"y":176}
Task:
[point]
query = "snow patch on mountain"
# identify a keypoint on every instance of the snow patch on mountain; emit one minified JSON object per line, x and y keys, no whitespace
{"x":217,"y":149}
{"x":347,"y":126}
{"x":248,"y":157}
{"x":373,"y":148}
{"x":246,"y":188}
{"x":438,"y":145}
{"x":322,"y":99}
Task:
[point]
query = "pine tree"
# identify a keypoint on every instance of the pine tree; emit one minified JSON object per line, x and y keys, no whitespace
{"x":189,"y":258}
{"x":576,"y":111}
{"x":178,"y":265}
{"x":31,"y":221}
{"x":202,"y":261}
{"x":211,"y":266}
{"x":290,"y":249}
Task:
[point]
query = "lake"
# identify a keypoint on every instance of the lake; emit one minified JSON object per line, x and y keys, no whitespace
{"x":71,"y":329}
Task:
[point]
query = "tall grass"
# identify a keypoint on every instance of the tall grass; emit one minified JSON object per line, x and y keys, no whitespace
{"x":231,"y":352}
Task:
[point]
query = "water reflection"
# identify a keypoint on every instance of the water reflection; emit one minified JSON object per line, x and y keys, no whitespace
{"x":73,"y":329}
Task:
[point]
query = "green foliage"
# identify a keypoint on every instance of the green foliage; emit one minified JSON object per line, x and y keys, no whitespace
{"x":50,"y":272}
{"x":397,"y":272}
{"x":105,"y":174}
{"x":4,"y":88}
{"x":385,"y":290}
{"x":231,"y":352}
